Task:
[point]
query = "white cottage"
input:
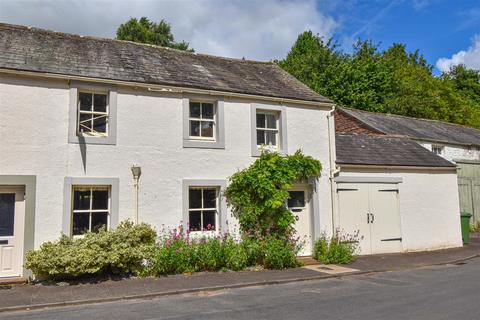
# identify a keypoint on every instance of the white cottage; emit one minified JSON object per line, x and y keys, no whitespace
{"x":94,"y":131}
{"x":77,"y":113}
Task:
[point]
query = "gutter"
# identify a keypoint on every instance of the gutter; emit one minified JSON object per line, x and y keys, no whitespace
{"x":390,"y":167}
{"x":167,"y":88}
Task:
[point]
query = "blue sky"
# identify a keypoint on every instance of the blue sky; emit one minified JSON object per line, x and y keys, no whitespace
{"x":447,"y":32}
{"x":439,"y":28}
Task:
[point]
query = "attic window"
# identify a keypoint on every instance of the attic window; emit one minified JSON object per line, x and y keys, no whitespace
{"x":437,"y":150}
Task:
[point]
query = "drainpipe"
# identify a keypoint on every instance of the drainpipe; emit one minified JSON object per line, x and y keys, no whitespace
{"x":333,"y":167}
{"x":136,"y":172}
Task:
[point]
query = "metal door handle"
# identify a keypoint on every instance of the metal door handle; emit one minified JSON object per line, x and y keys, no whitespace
{"x":373,"y":217}
{"x":368,"y":217}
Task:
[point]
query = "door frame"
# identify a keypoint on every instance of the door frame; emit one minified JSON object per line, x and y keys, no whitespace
{"x":29,"y":183}
{"x":310,"y":206}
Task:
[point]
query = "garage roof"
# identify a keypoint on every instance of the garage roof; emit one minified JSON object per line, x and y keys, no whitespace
{"x":31,"y":49}
{"x":414,"y":128}
{"x":385,"y":151}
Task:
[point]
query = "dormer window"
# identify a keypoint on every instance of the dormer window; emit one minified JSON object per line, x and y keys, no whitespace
{"x":437,"y":150}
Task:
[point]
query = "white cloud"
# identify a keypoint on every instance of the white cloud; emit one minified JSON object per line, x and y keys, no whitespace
{"x":469,"y":57}
{"x":252,"y":29}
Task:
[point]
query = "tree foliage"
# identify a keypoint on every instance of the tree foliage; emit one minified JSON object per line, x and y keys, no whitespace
{"x":393,"y":80}
{"x":146,"y":31}
{"x":258,"y":193}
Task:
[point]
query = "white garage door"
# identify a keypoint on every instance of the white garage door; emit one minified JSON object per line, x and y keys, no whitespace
{"x":372,"y":210}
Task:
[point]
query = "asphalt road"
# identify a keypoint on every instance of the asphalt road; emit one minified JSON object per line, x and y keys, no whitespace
{"x":445,"y":292}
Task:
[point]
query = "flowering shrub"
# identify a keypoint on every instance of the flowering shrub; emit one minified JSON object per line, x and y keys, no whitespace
{"x":258,"y":194}
{"x":339,"y":249}
{"x":121,"y":251}
{"x":178,"y":253}
{"x":279,"y":253}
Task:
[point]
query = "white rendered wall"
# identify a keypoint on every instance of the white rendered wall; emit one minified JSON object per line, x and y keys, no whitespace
{"x":452,"y":152}
{"x":34,"y":141}
{"x":429,"y":207}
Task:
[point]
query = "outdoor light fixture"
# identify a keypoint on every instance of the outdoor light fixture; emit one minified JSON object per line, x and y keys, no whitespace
{"x":136,"y":172}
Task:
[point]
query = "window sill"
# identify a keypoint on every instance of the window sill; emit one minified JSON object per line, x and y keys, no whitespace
{"x":203,"y":144}
{"x":258,"y":151}
{"x":202,"y":234}
{"x":87,"y":139}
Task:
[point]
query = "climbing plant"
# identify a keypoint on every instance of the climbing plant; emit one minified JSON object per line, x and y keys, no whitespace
{"x":258,"y":194}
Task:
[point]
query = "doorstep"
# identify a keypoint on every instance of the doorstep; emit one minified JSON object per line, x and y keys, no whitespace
{"x":12,"y":280}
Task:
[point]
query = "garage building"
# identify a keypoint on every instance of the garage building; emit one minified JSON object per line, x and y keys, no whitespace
{"x":395,"y":194}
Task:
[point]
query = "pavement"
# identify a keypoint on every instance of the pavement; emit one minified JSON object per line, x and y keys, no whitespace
{"x":429,"y":293}
{"x":28,"y":297}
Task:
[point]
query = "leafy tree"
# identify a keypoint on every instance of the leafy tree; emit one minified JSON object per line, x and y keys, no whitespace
{"x":258,"y":193}
{"x":146,"y":31}
{"x":394,"y":80}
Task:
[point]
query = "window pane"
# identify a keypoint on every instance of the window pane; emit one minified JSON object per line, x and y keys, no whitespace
{"x":271,"y":121}
{"x":195,"y":128}
{"x":260,"y":137}
{"x":207,"y":110}
{"x":80,"y":223}
{"x":260,"y":120}
{"x":271,"y":138}
{"x":209,"y":198}
{"x":209,"y":220}
{"x":207,"y":129}
{"x":81,"y":199}
{"x":85,"y":101}
{"x":100,"y":124}
{"x":194,"y":110}
{"x":100,"y":199}
{"x":85,"y":123}
{"x":100,"y":103}
{"x":99,"y":220}
{"x":297,"y":199}
{"x":7,"y":214}
{"x":194,"y":198}
{"x":194,"y":222}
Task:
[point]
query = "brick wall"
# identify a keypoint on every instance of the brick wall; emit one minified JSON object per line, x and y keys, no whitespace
{"x":347,"y":124}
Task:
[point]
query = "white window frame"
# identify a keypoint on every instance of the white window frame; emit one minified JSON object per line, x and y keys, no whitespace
{"x":265,"y":129}
{"x":93,"y":113}
{"x":221,"y":217}
{"x":91,"y":211}
{"x":214,"y":120}
{"x":281,"y":111}
{"x":202,"y":209}
{"x":218,"y":141}
{"x":113,"y":183}
{"x":74,"y":136}
{"x":438,"y":147}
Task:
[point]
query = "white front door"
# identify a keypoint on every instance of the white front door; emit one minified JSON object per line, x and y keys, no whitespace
{"x":12,"y":215}
{"x":299,"y":204}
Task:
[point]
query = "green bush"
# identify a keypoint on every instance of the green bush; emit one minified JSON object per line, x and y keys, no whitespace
{"x":278,"y":253}
{"x":339,"y":249}
{"x":257,"y":194}
{"x":119,"y":251}
{"x":475,"y":227}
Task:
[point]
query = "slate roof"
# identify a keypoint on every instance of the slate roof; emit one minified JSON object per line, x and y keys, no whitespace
{"x":38,"y":50}
{"x":414,"y":128}
{"x":385,"y":151}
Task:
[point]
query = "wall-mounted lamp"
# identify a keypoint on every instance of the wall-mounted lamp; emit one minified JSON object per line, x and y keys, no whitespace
{"x":136,"y":172}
